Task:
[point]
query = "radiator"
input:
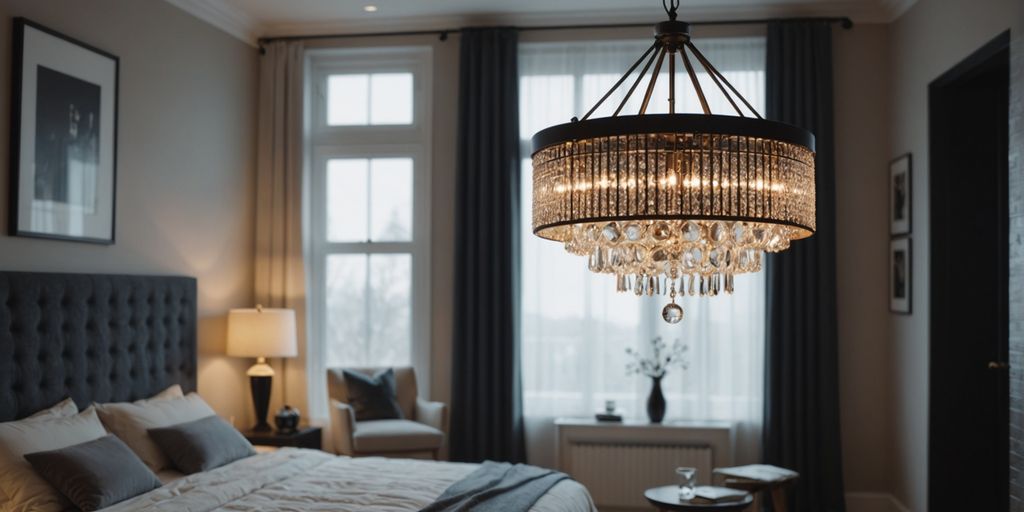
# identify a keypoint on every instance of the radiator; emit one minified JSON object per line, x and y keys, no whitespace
{"x":617,"y":474}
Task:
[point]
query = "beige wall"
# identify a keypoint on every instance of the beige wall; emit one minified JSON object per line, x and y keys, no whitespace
{"x":926,"y":41}
{"x":185,"y":169}
{"x":862,"y":154}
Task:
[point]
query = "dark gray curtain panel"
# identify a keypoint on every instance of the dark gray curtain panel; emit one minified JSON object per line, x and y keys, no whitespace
{"x":486,"y":391}
{"x":801,"y":415}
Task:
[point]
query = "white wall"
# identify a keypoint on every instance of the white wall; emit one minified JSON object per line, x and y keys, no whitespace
{"x":925,"y":42}
{"x":185,"y":167}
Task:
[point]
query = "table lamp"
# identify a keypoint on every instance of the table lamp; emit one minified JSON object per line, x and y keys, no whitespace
{"x":261,"y":333}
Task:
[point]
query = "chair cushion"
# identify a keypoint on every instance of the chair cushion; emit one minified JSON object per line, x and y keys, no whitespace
{"x":395,"y":436}
{"x":373,"y":398}
{"x":405,"y":386}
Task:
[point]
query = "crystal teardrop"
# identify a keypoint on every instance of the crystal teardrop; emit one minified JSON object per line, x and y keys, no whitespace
{"x":672,"y":313}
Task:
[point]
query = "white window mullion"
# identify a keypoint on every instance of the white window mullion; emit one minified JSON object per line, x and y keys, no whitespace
{"x":369,"y":210}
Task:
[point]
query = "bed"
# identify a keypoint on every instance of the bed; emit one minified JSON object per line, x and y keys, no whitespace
{"x":119,"y":338}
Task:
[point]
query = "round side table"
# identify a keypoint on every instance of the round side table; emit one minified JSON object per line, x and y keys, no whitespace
{"x":666,"y":498}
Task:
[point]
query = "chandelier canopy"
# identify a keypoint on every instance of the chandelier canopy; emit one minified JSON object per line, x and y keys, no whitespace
{"x":674,"y":203}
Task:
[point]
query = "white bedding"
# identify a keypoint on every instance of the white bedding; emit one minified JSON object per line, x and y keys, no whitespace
{"x":308,"y":480}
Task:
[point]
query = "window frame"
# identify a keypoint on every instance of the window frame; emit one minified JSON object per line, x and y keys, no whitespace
{"x":326,"y":142}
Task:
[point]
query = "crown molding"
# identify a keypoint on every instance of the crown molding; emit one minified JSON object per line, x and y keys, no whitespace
{"x":895,"y":8}
{"x":224,"y":16}
{"x":242,"y":25}
{"x":858,"y":10}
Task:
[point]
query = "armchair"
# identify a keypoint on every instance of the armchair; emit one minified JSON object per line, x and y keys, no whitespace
{"x":421,"y":433}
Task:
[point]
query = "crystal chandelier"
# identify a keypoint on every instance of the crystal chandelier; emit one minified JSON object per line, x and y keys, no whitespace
{"x":674,"y":203}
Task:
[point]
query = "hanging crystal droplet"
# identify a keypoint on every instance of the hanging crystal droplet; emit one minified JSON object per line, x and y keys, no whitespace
{"x":739,"y":232}
{"x":691,"y":232}
{"x":661,"y":231}
{"x":634,"y":232}
{"x":719,"y":232}
{"x":672,"y":313}
{"x":611,"y":232}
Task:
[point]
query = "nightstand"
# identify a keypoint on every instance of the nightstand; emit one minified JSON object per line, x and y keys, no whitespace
{"x":305,"y":437}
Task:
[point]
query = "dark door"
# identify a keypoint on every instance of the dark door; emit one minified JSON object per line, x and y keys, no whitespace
{"x":968,"y":465}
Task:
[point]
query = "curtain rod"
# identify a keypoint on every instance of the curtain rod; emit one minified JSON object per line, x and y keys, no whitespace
{"x":442,"y":34}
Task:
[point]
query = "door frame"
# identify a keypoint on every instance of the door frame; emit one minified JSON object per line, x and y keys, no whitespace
{"x":941,"y":302}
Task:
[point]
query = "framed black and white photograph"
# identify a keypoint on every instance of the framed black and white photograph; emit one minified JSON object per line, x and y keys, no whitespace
{"x":900,"y":196}
{"x":900,"y":282}
{"x":63,"y":137}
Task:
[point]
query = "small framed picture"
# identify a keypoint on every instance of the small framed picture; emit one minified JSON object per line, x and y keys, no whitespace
{"x":900,"y":196}
{"x":63,"y":137}
{"x":900,"y":282}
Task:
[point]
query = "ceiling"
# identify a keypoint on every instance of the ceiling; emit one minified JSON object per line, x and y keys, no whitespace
{"x":250,"y":19}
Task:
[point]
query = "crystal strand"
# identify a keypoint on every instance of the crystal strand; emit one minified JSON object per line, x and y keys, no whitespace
{"x":620,"y":282}
{"x":638,"y":286}
{"x":729,"y":284}
{"x":693,"y":288}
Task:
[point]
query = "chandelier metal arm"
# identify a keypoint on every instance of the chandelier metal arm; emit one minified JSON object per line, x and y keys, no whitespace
{"x":714,"y":77}
{"x":639,"y":79}
{"x":672,"y":82}
{"x":695,"y":81}
{"x":623,"y":79}
{"x":713,"y":70}
{"x":654,"y":80}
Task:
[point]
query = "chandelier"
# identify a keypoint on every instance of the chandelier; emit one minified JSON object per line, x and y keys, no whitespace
{"x":674,"y":203}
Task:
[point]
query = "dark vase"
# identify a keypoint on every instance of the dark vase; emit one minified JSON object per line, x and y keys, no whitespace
{"x":656,"y":401}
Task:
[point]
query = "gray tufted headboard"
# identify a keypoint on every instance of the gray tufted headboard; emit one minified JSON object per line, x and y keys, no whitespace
{"x":96,"y":338}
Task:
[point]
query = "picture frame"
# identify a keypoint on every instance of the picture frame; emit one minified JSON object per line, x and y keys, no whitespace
{"x":901,"y":197}
{"x":901,"y":284}
{"x":63,"y":140}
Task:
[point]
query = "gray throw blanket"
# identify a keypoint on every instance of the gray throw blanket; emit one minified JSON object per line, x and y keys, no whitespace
{"x":497,"y":486}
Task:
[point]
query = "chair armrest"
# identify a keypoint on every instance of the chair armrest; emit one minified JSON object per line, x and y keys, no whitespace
{"x":434,"y":414}
{"x":343,"y":425}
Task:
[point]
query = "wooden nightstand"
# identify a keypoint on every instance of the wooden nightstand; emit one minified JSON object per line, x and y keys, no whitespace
{"x":306,"y":437}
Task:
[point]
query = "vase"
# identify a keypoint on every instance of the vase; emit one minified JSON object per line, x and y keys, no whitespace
{"x":656,"y":401}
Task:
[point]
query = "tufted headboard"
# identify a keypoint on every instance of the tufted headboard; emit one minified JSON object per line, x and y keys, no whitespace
{"x":94,"y":337}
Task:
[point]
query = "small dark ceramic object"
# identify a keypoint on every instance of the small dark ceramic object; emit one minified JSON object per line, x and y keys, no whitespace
{"x":287,"y":420}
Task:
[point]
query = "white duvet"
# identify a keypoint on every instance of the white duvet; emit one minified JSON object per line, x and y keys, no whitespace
{"x":300,"y":480}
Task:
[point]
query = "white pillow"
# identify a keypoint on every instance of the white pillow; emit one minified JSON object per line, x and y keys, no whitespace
{"x":63,"y":409}
{"x":24,"y":489}
{"x":171,"y":392}
{"x":131,"y":423}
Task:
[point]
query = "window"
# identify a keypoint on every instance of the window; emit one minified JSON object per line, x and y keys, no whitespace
{"x":575,"y":326}
{"x":369,"y":218}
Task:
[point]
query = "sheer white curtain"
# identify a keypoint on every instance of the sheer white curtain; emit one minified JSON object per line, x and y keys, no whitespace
{"x":575,"y":326}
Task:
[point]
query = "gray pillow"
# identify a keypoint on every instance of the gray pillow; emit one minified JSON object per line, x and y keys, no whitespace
{"x":95,"y":474}
{"x":373,"y":398}
{"x":202,"y":444}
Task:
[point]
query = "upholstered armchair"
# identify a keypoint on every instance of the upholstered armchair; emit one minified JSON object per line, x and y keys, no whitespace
{"x":422,"y":433}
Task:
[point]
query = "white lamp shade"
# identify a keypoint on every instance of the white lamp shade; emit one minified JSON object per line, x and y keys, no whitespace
{"x":261,"y":332}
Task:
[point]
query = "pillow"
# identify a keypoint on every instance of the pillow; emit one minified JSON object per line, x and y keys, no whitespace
{"x":202,"y":444}
{"x":63,"y":409}
{"x":24,"y":489}
{"x":171,"y":392}
{"x":131,"y":421}
{"x":373,"y":398}
{"x":95,"y":474}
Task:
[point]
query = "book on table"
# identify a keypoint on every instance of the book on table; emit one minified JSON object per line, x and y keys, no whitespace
{"x":709,"y":494}
{"x":758,"y":472}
